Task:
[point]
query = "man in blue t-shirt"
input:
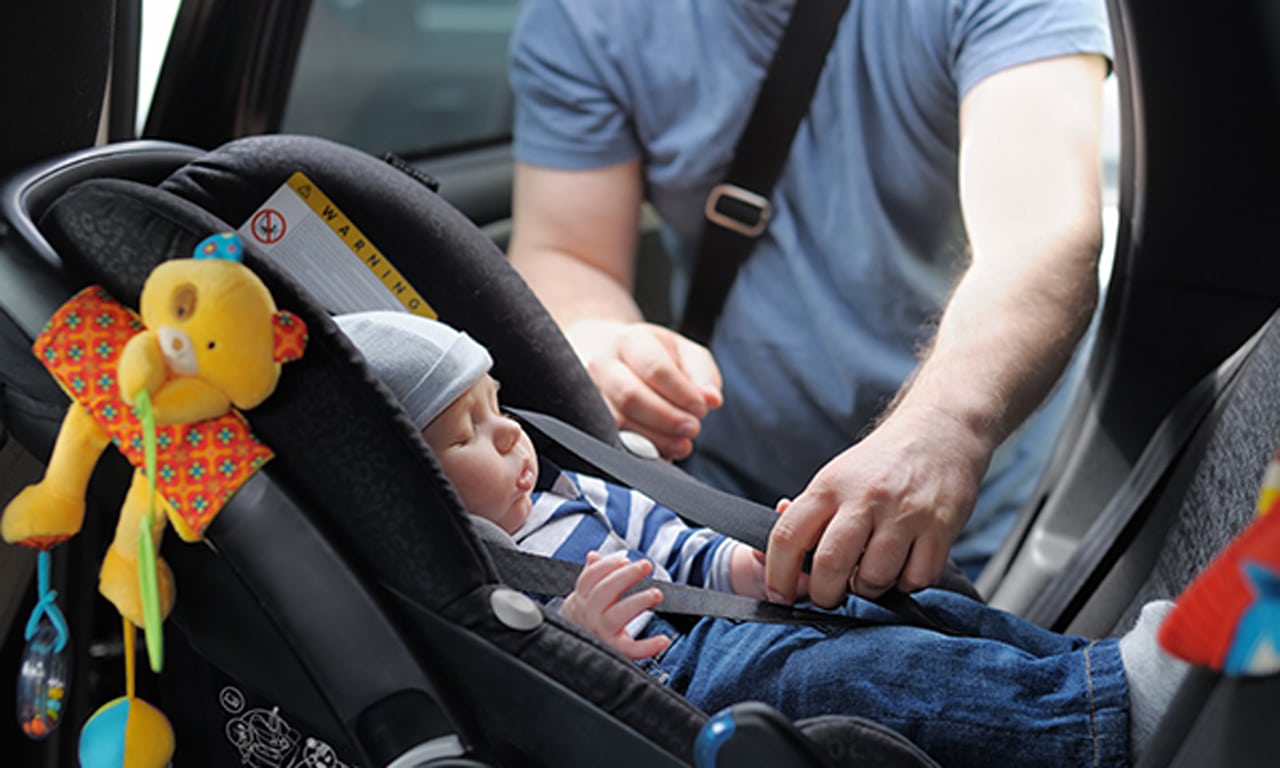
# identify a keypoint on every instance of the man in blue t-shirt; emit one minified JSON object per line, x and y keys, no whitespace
{"x":928,"y":271}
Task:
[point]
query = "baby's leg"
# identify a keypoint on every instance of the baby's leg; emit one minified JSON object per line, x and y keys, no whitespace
{"x":1043,"y":698}
{"x":1154,"y":676}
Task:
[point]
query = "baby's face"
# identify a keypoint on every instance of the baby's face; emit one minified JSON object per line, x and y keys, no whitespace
{"x":486,"y":455}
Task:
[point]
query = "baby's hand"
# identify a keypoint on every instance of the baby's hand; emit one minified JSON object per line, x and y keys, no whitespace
{"x":598,"y":606}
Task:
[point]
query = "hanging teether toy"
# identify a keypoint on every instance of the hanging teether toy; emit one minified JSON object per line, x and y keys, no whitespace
{"x":45,"y":673}
{"x":126,"y":731}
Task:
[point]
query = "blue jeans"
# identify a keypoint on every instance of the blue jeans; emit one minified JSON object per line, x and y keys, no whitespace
{"x":1011,"y":693}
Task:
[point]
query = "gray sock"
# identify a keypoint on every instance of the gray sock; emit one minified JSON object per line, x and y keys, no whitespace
{"x":1153,"y":675}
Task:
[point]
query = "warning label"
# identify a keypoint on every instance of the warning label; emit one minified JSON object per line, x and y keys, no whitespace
{"x":301,"y":229}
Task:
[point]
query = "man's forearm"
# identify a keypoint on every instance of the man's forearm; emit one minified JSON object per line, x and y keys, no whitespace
{"x":1006,"y":337}
{"x":1030,"y":194}
{"x":573,"y":290}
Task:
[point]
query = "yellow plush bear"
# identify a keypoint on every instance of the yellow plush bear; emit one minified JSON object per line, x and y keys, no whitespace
{"x":210,"y":340}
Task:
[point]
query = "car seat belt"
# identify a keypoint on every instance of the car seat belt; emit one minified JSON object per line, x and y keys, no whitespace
{"x":1097,"y":548}
{"x":553,"y":577}
{"x":733,"y":516}
{"x":737,"y":210}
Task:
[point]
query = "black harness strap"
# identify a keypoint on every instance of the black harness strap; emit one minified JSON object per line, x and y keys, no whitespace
{"x":556,"y":578}
{"x":736,"y":517}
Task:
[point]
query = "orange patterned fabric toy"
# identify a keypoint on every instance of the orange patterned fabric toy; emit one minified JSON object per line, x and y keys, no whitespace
{"x":209,"y":340}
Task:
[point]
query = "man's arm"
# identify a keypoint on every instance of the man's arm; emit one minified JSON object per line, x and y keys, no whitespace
{"x":886,"y":511}
{"x":574,"y":242}
{"x":574,"y":239}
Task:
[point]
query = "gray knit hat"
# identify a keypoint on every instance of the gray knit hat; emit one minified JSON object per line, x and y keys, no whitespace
{"x":425,"y":363}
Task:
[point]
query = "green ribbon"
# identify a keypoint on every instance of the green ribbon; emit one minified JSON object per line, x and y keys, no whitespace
{"x":148,"y":581}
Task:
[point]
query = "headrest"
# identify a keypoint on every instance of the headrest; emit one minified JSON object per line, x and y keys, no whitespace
{"x":459,"y":270}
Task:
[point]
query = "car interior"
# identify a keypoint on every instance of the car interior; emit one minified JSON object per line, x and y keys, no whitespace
{"x":343,"y":610}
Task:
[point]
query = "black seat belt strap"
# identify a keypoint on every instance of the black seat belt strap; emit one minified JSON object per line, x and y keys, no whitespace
{"x":735,"y":517}
{"x":700,"y":504}
{"x":738,"y":209}
{"x":556,"y":578}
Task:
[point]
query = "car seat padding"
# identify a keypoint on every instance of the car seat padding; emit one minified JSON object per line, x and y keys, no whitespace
{"x":460,"y":271}
{"x":347,"y":450}
{"x":114,"y":232}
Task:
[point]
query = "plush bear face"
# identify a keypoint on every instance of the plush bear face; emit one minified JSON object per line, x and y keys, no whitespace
{"x":213,"y":320}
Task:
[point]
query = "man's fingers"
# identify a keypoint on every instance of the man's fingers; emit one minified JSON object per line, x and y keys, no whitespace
{"x":656,"y":360}
{"x":881,"y":563}
{"x":837,"y":553}
{"x":924,"y":564}
{"x":655,"y":382}
{"x":637,"y":407}
{"x":697,"y":362}
{"x":792,"y":536}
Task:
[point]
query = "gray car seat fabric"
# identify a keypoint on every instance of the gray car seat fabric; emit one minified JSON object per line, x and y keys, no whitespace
{"x":1222,"y":493}
{"x":353,"y":458}
{"x":1208,"y":497}
{"x":438,"y":250}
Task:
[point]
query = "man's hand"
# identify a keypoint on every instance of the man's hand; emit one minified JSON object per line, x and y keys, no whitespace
{"x":574,"y":242}
{"x":598,"y":606}
{"x":882,"y":514}
{"x":655,"y":381}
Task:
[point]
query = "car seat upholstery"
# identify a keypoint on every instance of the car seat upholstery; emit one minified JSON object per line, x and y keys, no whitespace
{"x":1210,"y":494}
{"x":390,"y":643}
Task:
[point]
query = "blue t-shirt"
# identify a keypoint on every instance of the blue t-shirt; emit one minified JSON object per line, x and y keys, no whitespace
{"x":823,"y":321}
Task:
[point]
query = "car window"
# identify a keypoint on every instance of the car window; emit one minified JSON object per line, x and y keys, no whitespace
{"x":157,"y":26}
{"x":411,"y":77}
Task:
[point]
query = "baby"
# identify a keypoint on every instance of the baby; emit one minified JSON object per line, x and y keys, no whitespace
{"x":1044,"y":698}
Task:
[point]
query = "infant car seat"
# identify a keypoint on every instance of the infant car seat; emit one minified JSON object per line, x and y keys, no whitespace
{"x":344,"y":604}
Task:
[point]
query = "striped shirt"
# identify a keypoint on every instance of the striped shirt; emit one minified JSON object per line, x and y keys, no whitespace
{"x":574,"y":514}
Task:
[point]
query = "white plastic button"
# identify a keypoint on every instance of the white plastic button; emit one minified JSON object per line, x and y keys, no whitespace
{"x":638,"y":444}
{"x":515,"y":610}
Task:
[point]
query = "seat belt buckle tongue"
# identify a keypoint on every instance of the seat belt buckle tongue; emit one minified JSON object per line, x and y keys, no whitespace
{"x":738,"y":210}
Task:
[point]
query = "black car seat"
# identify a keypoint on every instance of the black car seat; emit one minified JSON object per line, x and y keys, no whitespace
{"x":343,"y":583}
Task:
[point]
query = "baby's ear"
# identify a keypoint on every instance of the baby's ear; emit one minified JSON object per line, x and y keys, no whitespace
{"x":290,"y":336}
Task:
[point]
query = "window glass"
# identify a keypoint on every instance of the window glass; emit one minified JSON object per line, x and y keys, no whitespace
{"x":406,"y":76}
{"x":157,"y":26}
